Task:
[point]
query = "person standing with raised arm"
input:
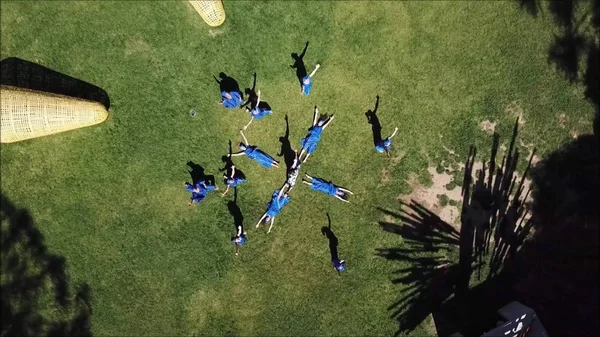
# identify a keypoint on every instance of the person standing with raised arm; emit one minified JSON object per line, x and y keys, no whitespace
{"x":239,"y":239}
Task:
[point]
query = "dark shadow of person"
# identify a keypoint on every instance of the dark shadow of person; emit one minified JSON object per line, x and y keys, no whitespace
{"x":299,"y":64}
{"x":235,"y":211}
{"x":228,"y":165}
{"x":197,"y":173}
{"x":375,"y":124}
{"x":228,"y":84}
{"x":251,"y":94}
{"x":24,"y":74}
{"x":286,"y":147}
{"x":227,"y":161}
{"x":333,"y":240}
{"x":35,"y":282}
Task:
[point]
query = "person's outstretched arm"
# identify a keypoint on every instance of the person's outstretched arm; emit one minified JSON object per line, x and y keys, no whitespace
{"x":314,"y":71}
{"x":232,"y":171}
{"x":315,"y":114}
{"x":345,"y":190}
{"x":258,"y":98}
{"x":304,"y":50}
{"x":239,"y":232}
{"x":393,"y":134}
{"x":241,"y":153}
{"x":328,"y":121}
{"x":247,"y":125}
{"x":260,"y":220}
{"x":271,"y":227}
{"x":244,"y":136}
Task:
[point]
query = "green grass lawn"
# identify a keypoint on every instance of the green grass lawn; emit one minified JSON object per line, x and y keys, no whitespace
{"x":109,"y":198}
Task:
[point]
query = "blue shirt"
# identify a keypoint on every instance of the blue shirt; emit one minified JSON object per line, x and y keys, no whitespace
{"x":384,"y":145}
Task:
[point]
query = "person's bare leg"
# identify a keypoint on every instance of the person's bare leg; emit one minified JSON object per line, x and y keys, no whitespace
{"x":261,"y":219}
{"x":305,"y":158}
{"x":309,"y":177}
{"x":393,"y":134}
{"x":306,"y":182}
{"x":282,"y":190}
{"x":237,"y":249}
{"x":301,"y":154}
{"x":271,"y":227}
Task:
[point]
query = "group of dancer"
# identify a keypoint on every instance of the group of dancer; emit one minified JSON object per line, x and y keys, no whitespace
{"x":231,"y":98}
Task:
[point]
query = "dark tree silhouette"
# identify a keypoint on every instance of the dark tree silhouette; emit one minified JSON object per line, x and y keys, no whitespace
{"x":575,"y":44}
{"x":31,"y":274}
{"x":494,"y":223}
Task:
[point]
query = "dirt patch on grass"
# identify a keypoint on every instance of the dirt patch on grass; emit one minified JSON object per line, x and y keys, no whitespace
{"x":488,"y":126}
{"x":215,"y":32}
{"x":574,"y":134}
{"x":429,"y":197}
{"x":444,"y":197}
{"x":514,"y":109}
{"x":396,"y":159}
{"x":562,"y":119}
{"x":385,"y":177}
{"x":136,"y":45}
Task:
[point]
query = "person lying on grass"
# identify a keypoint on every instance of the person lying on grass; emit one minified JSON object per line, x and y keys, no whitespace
{"x":273,"y":209}
{"x":199,"y":190}
{"x":385,"y":144}
{"x":291,"y":175}
{"x":254,"y":153}
{"x":230,"y":100}
{"x":310,"y":142}
{"x":239,"y":239}
{"x":232,"y":180}
{"x":320,"y":185}
{"x":258,"y":111}
{"x":230,"y":96}
{"x":307,"y":82}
